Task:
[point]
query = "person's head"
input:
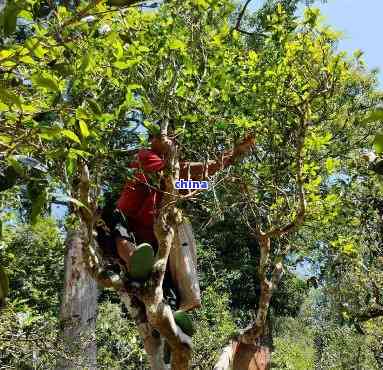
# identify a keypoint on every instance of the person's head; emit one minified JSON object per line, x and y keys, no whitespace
{"x":155,"y":142}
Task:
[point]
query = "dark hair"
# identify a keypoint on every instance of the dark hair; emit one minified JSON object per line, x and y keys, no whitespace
{"x":154,"y":134}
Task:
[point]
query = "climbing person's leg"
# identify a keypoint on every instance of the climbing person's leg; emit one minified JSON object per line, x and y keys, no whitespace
{"x":125,"y":249}
{"x":123,"y":238}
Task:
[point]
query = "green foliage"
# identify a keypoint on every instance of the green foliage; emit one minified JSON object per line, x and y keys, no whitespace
{"x":214,"y":326}
{"x":343,"y":349}
{"x":294,"y":346}
{"x":29,"y":339}
{"x":33,"y":257}
{"x":378,"y":143}
{"x":118,"y":342}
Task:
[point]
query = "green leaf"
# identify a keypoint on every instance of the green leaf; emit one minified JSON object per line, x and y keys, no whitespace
{"x":10,"y":98}
{"x":26,"y":15}
{"x":33,"y":45}
{"x":374,"y":116}
{"x":27,"y":59}
{"x":378,"y":143}
{"x":105,"y":117}
{"x":154,"y":129}
{"x":70,"y":135}
{"x":176,"y":44}
{"x":119,"y":50}
{"x":46,"y":82}
{"x":202,"y":3}
{"x":93,"y":105}
{"x":5,"y":138}
{"x":49,"y":133}
{"x":70,"y":165}
{"x":6,"y":53}
{"x":74,"y":153}
{"x":85,"y":61}
{"x":16,"y":166}
{"x":83,"y":128}
{"x":66,"y":198}
{"x":8,"y":64}
{"x":126,"y":64}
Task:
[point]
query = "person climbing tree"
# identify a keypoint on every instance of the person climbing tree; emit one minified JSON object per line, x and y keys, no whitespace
{"x":137,"y":208}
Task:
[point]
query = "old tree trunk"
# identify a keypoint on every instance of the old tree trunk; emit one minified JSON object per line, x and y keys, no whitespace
{"x":251,"y":348}
{"x":154,"y":318}
{"x":78,"y":310}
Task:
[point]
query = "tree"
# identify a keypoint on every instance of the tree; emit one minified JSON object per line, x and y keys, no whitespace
{"x":77,"y":89}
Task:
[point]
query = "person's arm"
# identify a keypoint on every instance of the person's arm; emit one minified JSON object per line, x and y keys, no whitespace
{"x":197,"y":170}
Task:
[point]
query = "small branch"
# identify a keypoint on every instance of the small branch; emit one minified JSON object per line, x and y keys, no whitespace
{"x":249,"y":33}
{"x":298,"y":220}
{"x":371,"y":313}
{"x":240,"y":16}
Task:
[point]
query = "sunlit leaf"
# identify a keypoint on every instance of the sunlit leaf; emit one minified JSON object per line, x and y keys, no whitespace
{"x":10,"y":98}
{"x":374,"y":116}
{"x":70,"y":135}
{"x":27,"y":59}
{"x":176,"y":44}
{"x":378,"y":143}
{"x":126,"y":64}
{"x":83,"y":128}
{"x":45,"y":82}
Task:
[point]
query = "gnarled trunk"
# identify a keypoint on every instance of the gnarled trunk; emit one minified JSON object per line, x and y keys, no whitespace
{"x":243,"y":356}
{"x":78,"y":310}
{"x":251,"y":349}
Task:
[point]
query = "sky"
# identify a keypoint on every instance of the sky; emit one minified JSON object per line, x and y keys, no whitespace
{"x":362,"y":26}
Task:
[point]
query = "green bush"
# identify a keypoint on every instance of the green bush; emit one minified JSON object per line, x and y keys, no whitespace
{"x":294,"y":349}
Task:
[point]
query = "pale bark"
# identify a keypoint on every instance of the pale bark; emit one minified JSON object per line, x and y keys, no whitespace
{"x":78,"y":309}
{"x":226,"y":358}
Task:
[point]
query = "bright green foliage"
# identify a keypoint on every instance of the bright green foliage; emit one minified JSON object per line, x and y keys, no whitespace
{"x":34,"y":260}
{"x":33,"y":257}
{"x":118,"y":342}
{"x":294,"y":345}
{"x":214,"y":326}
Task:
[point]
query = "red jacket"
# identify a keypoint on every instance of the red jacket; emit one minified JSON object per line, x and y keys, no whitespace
{"x":139,"y":201}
